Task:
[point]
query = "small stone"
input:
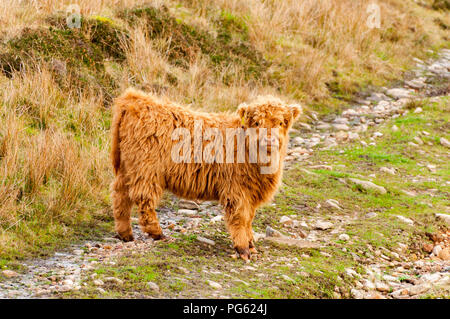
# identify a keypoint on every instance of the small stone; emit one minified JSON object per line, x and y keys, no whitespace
{"x":405,"y":220}
{"x":394,"y":128}
{"x":67,"y":282}
{"x":65,"y":288}
{"x":188,"y":212}
{"x":98,"y":282}
{"x":78,"y":252}
{"x":368,"y":185}
{"x":205,"y":240}
{"x":418,"y":140}
{"x":323,"y":126}
{"x":306,"y":126}
{"x":341,"y":127}
{"x":444,"y":217}
{"x":377,"y":97}
{"x":398,"y":93}
{"x":153,"y":286}
{"x":419,"y":289}
{"x":270,"y":232}
{"x":368,"y":285}
{"x":382,"y":287}
{"x":344,"y":237}
{"x":431,"y":277}
{"x":258,"y":236}
{"x":409,"y":193}
{"x":9,"y":273}
{"x":415,"y":84}
{"x":401,"y":293}
{"x":444,"y":254}
{"x":436,"y":250}
{"x":350,"y":272}
{"x":323,"y":225}
{"x":388,"y":170}
{"x":214,"y":284}
{"x":287,"y":278}
{"x":100,"y":290}
{"x":216,"y":218}
{"x":333,"y":203}
{"x":298,"y":140}
{"x":250,"y":268}
{"x":418,"y":110}
{"x":285,"y":220}
{"x":371,"y":215}
{"x":357,"y":294}
{"x":444,"y":142}
{"x":377,"y":134}
{"x":188,"y":204}
{"x":353,"y":136}
{"x":114,"y":280}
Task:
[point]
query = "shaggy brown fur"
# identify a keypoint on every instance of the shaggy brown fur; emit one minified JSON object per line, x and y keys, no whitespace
{"x":141,"y":155}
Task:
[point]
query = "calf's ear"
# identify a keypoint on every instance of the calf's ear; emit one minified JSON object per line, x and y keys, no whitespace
{"x":296,"y":110}
{"x":242,"y":112}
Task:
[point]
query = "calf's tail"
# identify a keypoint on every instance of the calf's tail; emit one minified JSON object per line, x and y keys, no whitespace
{"x":117,"y":111}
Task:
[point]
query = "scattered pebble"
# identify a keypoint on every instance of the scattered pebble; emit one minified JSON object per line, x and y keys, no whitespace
{"x":9,"y":273}
{"x":323,"y":225}
{"x":405,"y":219}
{"x":153,"y":286}
{"x":214,"y":284}
{"x":98,"y":282}
{"x":368,"y":185}
{"x":206,"y":240}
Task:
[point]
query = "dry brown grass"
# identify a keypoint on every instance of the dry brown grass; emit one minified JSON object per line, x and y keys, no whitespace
{"x":50,"y":177}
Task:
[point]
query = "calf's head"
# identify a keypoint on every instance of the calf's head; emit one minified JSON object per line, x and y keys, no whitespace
{"x":271,"y":120}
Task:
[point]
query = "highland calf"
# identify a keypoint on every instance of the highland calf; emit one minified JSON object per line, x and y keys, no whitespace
{"x":143,"y":149}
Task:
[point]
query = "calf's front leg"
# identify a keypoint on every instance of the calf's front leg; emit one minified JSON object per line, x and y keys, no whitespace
{"x":237,"y":218}
{"x":148,"y":220}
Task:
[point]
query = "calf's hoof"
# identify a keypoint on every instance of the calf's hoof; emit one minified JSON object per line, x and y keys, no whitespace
{"x":153,"y":230}
{"x":157,"y":236}
{"x":244,"y":253}
{"x":253,"y":250}
{"x":125,"y":237}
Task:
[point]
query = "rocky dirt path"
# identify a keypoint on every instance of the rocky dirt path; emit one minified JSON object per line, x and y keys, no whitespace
{"x":69,"y":270}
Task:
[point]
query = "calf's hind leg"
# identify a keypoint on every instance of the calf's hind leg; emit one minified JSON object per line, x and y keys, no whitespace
{"x":122,"y":209}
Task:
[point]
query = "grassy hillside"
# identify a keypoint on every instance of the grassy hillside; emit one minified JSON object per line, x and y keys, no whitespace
{"x":57,"y":84}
